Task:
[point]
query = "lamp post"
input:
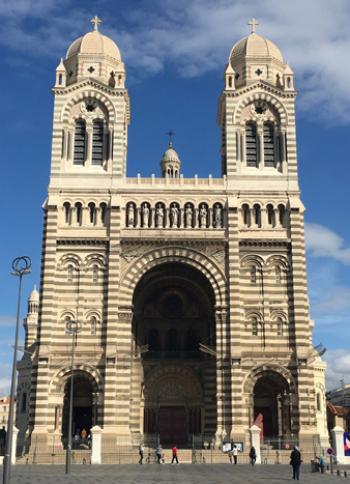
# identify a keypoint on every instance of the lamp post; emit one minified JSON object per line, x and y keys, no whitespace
{"x":73,"y":328}
{"x":20,"y":267}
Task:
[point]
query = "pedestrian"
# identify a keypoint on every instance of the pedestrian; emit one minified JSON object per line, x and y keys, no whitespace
{"x":141,"y":451}
{"x":235,"y":454}
{"x":321,"y":464}
{"x":174,"y":452}
{"x":252,"y":455}
{"x":2,"y":440}
{"x":230,"y":456}
{"x":159,"y":454}
{"x":295,"y":462}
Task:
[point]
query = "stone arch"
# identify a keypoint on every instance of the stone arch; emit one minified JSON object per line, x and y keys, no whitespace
{"x":253,"y":376}
{"x":70,"y":258}
{"x":91,"y":93}
{"x":250,"y":259}
{"x":173,"y":254}
{"x":95,"y":259}
{"x":261,"y":96}
{"x":184,"y":378}
{"x":277,"y":259}
{"x":58,"y":381}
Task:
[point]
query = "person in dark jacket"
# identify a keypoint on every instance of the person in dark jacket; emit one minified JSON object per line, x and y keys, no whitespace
{"x":295,"y":462}
{"x":252,"y":455}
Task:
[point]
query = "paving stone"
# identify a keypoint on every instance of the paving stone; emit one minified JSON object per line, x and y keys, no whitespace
{"x":166,"y":474}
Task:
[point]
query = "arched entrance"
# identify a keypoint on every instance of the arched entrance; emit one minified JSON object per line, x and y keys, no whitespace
{"x":272,"y":405}
{"x":174,"y":312}
{"x":84,"y":408}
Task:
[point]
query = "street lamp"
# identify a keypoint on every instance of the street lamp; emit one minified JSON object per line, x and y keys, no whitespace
{"x":20,"y":267}
{"x":73,"y":328}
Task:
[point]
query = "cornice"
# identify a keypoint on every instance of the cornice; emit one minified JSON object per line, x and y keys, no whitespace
{"x":91,"y":83}
{"x":261,"y":85}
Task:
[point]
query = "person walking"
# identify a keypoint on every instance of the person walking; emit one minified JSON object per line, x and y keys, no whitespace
{"x":252,"y":455}
{"x":2,"y":440}
{"x":235,"y":454}
{"x":174,"y":452}
{"x":141,"y":452}
{"x":295,"y":462}
{"x":159,"y":454}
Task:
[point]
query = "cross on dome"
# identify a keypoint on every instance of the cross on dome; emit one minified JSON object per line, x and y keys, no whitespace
{"x":96,"y":22}
{"x":170,"y":133}
{"x":253,"y":24}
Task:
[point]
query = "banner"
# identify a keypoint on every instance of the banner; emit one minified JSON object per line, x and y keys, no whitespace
{"x":347,"y":444}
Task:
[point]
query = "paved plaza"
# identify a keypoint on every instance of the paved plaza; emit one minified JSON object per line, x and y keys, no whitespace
{"x":167,"y":474}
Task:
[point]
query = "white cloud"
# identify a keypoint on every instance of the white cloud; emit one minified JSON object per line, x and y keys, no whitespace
{"x":323,"y":242}
{"x":338,"y":367}
{"x":195,"y":36}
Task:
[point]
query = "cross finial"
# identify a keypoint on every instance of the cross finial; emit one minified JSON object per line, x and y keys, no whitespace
{"x":170,"y":133}
{"x":253,"y":24}
{"x":96,"y":22}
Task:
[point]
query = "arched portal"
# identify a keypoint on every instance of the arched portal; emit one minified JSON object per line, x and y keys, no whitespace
{"x":84,"y":405}
{"x":272,"y":405}
{"x":173,"y":313}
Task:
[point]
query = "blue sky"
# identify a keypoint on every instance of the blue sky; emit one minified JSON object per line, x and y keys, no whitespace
{"x":175,"y":53}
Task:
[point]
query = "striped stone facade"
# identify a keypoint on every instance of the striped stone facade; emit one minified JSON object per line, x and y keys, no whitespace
{"x":237,"y":243}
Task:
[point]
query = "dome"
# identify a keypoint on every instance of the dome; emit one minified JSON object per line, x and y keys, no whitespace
{"x":255,"y":46}
{"x":170,"y":155}
{"x":34,"y":295}
{"x":94,"y":43}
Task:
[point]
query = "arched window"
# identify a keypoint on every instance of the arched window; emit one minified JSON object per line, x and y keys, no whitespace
{"x":92,"y":213}
{"x":153,"y":340}
{"x":24,"y":402}
{"x":257,"y":215}
{"x":269,"y":145}
{"x":280,"y":327}
{"x":70,"y":272}
{"x":281,"y":215}
{"x":246,"y":214}
{"x":270,"y":215}
{"x":172,"y":343}
{"x":318,"y":401}
{"x":95,"y":273}
{"x":78,"y":213}
{"x":253,"y":275}
{"x":278,"y":275}
{"x":254,"y":323}
{"x":93,"y":325}
{"x":251,"y":144}
{"x":103,"y":208}
{"x":97,"y":142}
{"x":192,"y":340}
{"x":67,"y":213}
{"x":79,"y":143}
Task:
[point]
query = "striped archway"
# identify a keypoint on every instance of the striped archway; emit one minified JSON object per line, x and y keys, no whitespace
{"x":177,"y":254}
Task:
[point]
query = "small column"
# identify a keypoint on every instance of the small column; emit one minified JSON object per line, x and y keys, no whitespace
{"x":255,"y":441}
{"x":338,"y":443}
{"x":88,"y":158}
{"x":261,"y":146}
{"x":264,"y":220}
{"x":96,"y":441}
{"x":14,"y":445}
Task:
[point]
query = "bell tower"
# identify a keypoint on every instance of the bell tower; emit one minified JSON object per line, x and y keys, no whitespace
{"x":91,"y":111}
{"x":256,"y":113}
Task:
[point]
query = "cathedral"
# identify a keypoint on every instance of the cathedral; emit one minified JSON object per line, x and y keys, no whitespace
{"x":188,"y":296}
